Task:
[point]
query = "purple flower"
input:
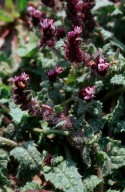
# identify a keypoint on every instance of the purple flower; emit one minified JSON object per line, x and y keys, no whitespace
{"x":35,"y":14}
{"x":72,"y":50}
{"x":73,"y":12}
{"x":48,"y":32}
{"x":87,"y":93}
{"x":53,"y":73}
{"x":30,"y":9}
{"x":21,"y":81}
{"x":103,"y":67}
{"x":58,"y":69}
{"x":22,"y":95}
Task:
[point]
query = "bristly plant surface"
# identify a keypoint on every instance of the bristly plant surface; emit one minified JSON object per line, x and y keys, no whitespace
{"x":62,"y":96}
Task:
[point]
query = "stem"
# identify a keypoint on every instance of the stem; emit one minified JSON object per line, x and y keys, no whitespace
{"x":111,"y":94}
{"x":3,"y":140}
{"x":100,"y":187}
{"x":66,"y":102}
{"x":50,"y":131}
{"x":99,"y":32}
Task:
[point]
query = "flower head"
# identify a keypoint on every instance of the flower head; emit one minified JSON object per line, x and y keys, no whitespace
{"x":30,"y":9}
{"x":103,"y":67}
{"x":48,"y":32}
{"x":21,"y":81}
{"x":72,"y":50}
{"x":35,"y":14}
{"x":87,"y":93}
{"x":22,"y":95}
{"x":53,"y":73}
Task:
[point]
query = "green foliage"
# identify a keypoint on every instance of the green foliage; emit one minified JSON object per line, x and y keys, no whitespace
{"x":118,"y":80}
{"x":16,"y":112}
{"x":30,"y":186}
{"x":117,"y":112}
{"x":29,"y":160}
{"x":115,"y":153}
{"x":67,"y":170}
{"x":91,"y":182}
{"x":4,"y":158}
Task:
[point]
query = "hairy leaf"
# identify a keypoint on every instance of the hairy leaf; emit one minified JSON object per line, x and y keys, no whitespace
{"x":30,"y":186}
{"x":115,"y":152}
{"x":4,"y":158}
{"x":64,"y":177}
{"x":91,"y":182}
{"x":29,"y":160}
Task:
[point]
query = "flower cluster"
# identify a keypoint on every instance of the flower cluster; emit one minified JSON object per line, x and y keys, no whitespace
{"x":72,"y":12}
{"x":89,"y":22}
{"x":48,"y":32}
{"x":100,"y":66}
{"x":35,"y":14}
{"x":87,"y":93}
{"x":79,"y":13}
{"x":22,"y":95}
{"x":72,"y":50}
{"x":53,"y":73}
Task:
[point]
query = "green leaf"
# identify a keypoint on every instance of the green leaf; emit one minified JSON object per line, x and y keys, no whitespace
{"x":30,"y":186}
{"x":29,"y":158}
{"x":91,"y":182}
{"x":4,"y":158}
{"x":16,"y":112}
{"x":117,"y":43}
{"x":115,"y":152}
{"x":64,"y":176}
{"x":22,"y":5}
{"x":117,"y":112}
{"x":58,"y":108}
{"x":29,"y":49}
{"x":4,"y":91}
{"x":9,"y":5}
{"x":6,"y":17}
{"x":118,"y":80}
{"x":120,"y":127}
{"x":101,"y":4}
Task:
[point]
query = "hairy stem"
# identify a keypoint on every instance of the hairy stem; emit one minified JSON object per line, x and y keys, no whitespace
{"x":9,"y":142}
{"x":50,"y":131}
{"x":67,"y":102}
{"x":111,"y":94}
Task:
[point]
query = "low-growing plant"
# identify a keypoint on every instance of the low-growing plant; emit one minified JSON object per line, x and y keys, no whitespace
{"x":62,"y":100}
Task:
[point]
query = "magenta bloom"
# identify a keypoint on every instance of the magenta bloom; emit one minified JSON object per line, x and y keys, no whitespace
{"x":30,"y":9}
{"x":87,"y":93}
{"x":73,"y":12}
{"x":35,"y":15}
{"x":53,"y":73}
{"x":48,"y":32}
{"x":21,"y":81}
{"x":103,"y":67}
{"x":72,"y":50}
{"x":22,"y":95}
